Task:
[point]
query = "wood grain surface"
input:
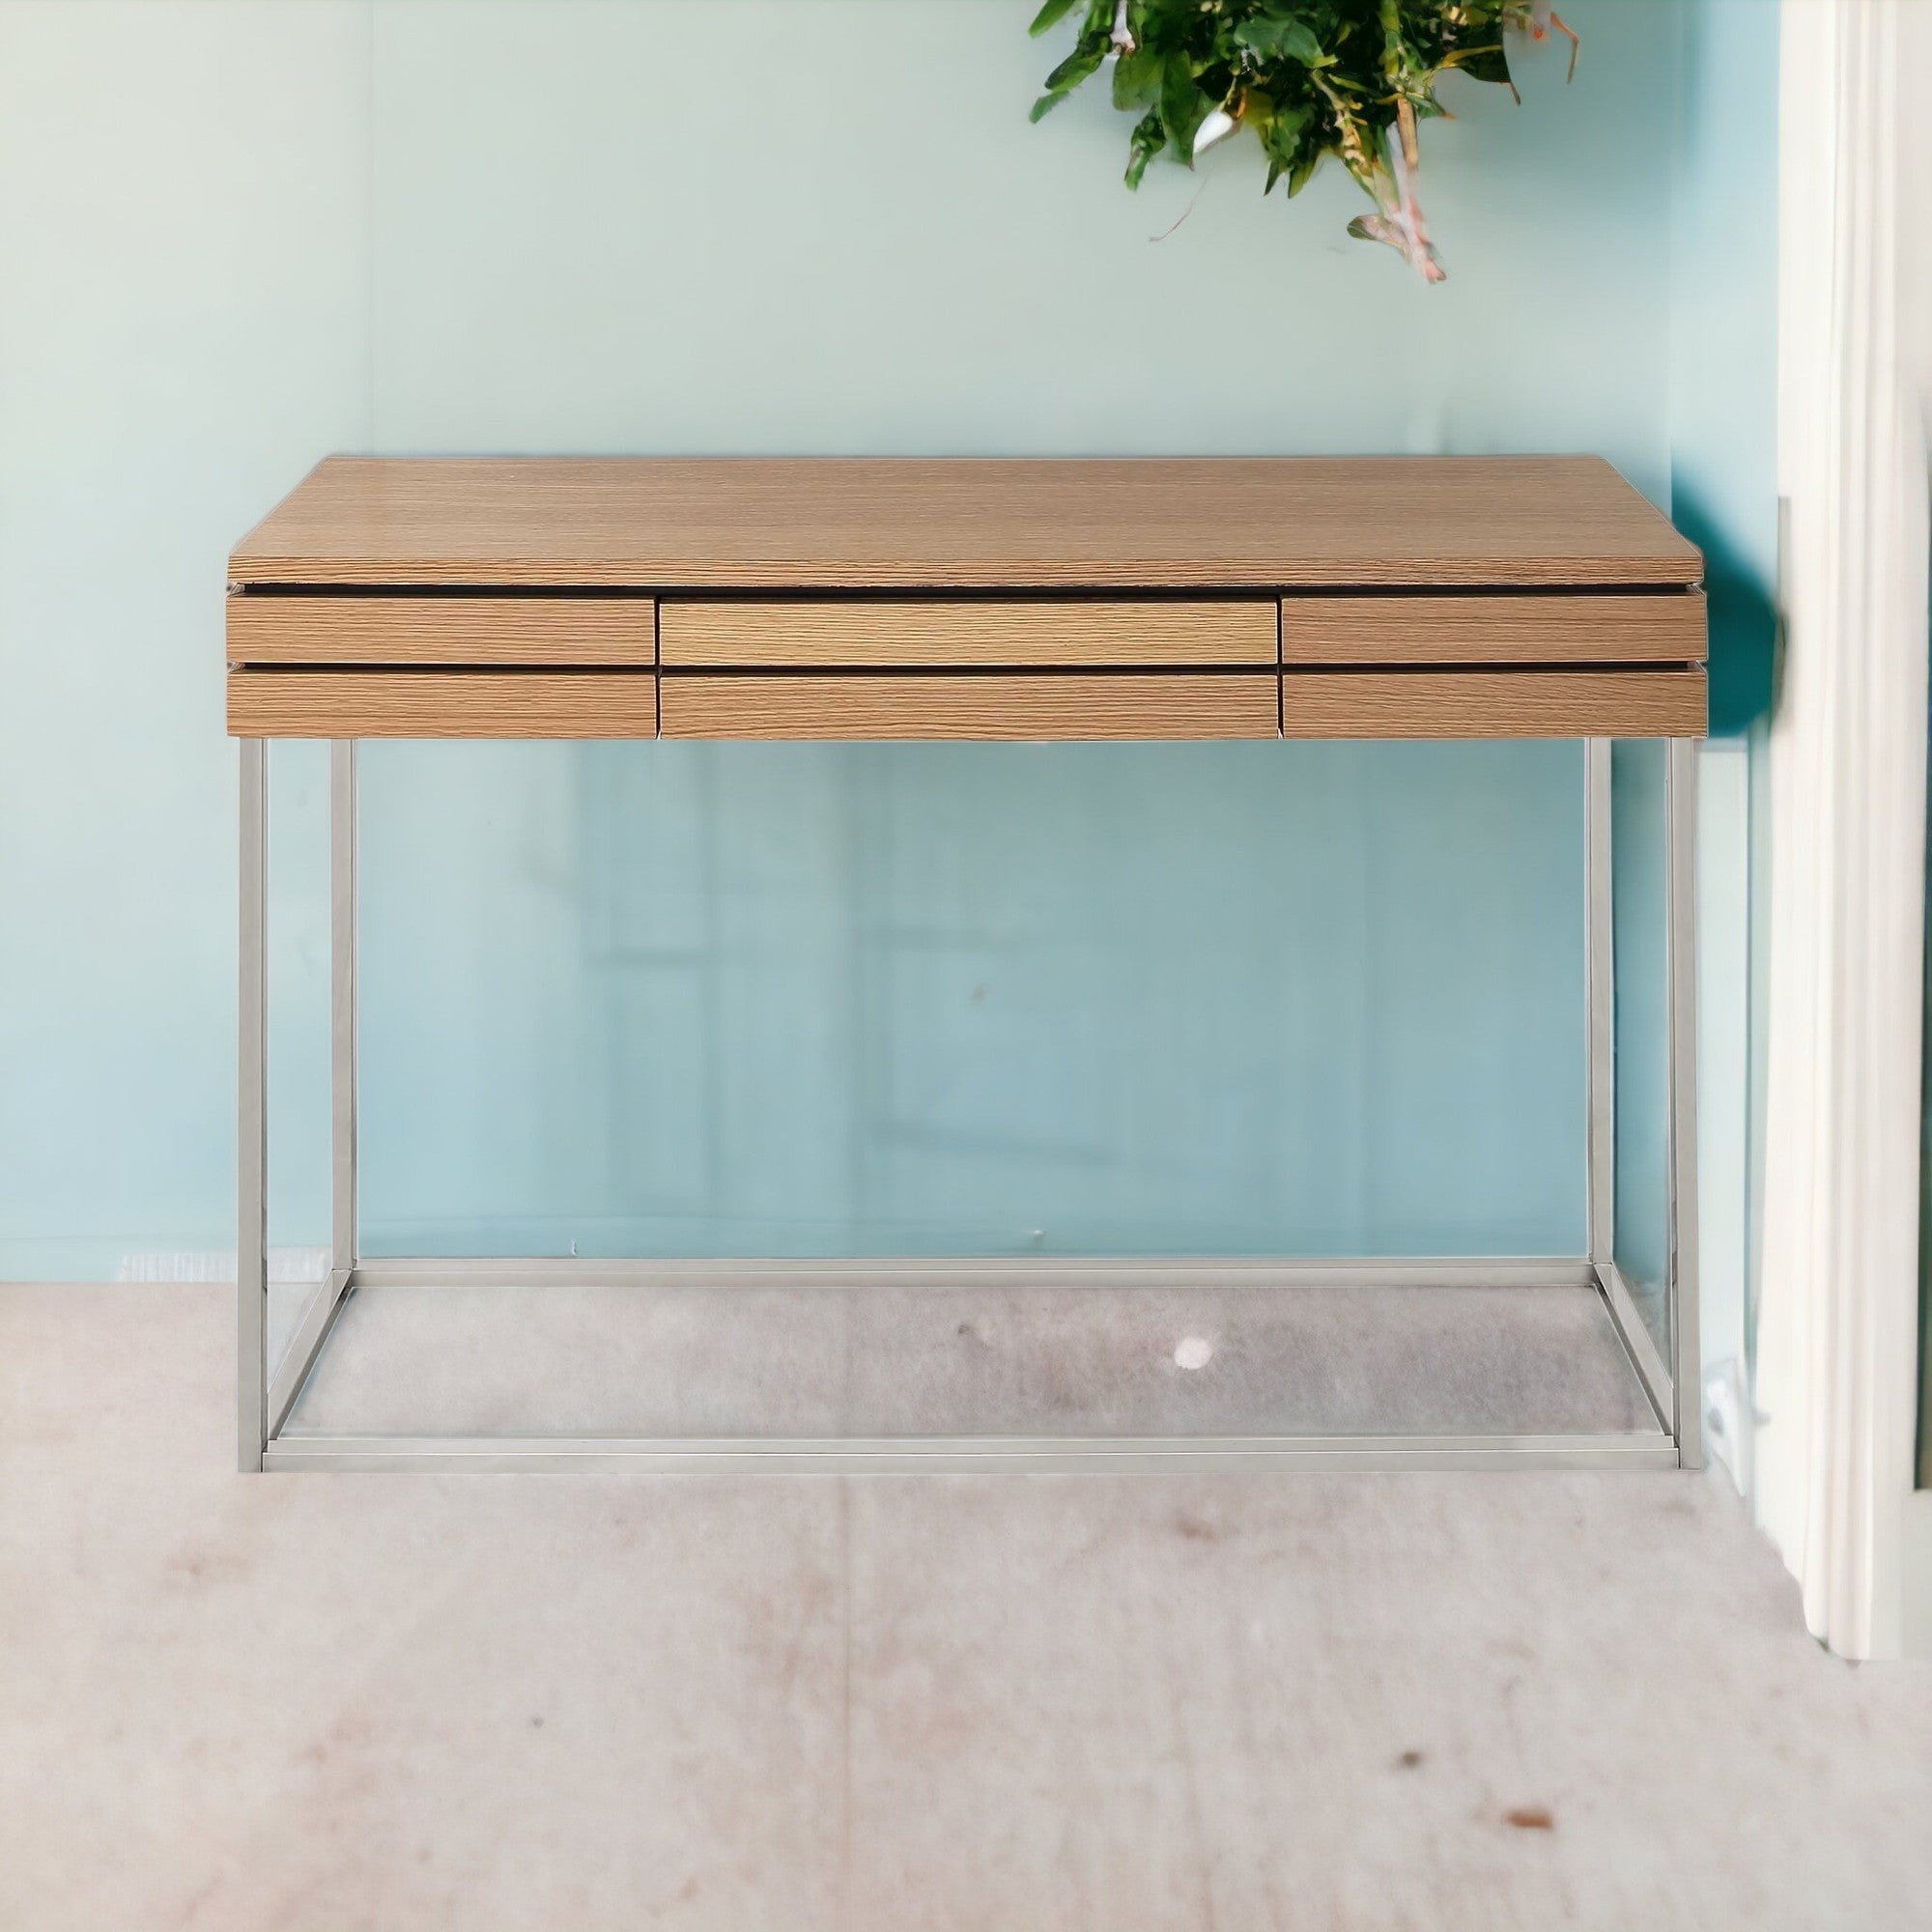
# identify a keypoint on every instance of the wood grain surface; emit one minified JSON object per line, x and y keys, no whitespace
{"x":876,"y":634}
{"x":781,"y":704}
{"x":441,"y":704}
{"x":848,"y":523}
{"x":1493,"y":705}
{"x":1667,"y":627}
{"x":377,"y":630}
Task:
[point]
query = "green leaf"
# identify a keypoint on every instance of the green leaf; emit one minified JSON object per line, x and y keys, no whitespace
{"x":1182,"y":105}
{"x":1137,"y":78}
{"x":1146,"y":140}
{"x":1077,"y":66}
{"x":1283,"y":137}
{"x":1490,"y":64}
{"x":1082,"y":62}
{"x":1051,"y":14}
{"x":1303,"y":171}
{"x":1283,"y":132}
{"x":1281,"y":39}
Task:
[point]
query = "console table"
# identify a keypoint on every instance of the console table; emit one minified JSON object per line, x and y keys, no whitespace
{"x":966,"y":599}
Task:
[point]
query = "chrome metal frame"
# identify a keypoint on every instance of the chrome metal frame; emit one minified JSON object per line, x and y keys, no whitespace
{"x":967,"y":1456}
{"x":265,"y":1398}
{"x":1600,"y":991}
{"x":1681,"y":953}
{"x":252,"y":1147}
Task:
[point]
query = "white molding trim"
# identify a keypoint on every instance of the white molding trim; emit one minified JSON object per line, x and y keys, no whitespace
{"x":1840,"y":1292}
{"x":1917,"y":1567}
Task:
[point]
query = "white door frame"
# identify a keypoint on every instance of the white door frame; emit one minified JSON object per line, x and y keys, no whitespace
{"x":1839,"y":1296}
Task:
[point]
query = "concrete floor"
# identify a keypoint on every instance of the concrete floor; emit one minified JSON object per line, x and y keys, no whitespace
{"x":322,"y":1704}
{"x":1005,"y":1360}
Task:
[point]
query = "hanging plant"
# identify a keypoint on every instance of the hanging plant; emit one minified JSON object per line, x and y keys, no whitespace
{"x":1309,"y":77}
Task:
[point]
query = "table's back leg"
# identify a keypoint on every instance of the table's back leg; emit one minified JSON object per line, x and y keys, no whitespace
{"x":342,"y":840}
{"x":251,"y":1251}
{"x":1681,"y":931}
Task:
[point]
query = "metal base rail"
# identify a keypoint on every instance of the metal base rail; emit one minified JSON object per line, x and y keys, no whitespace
{"x":1669,"y":1378}
{"x":405,"y":1455}
{"x":1646,"y":1449}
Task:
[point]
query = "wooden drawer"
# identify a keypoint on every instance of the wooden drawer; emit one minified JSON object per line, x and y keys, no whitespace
{"x":856,"y":634}
{"x":1493,"y":704}
{"x":378,"y":630}
{"x":1665,"y":628}
{"x":441,"y":704}
{"x":971,"y":705}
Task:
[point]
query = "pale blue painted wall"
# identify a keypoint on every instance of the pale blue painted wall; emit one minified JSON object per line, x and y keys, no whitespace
{"x":721,"y":998}
{"x":1723,"y":425}
{"x":184,"y":321}
{"x":1723,"y":364}
{"x":1723,"y":413}
{"x":901,"y":999}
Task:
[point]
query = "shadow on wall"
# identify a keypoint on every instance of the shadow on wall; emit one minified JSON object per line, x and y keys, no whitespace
{"x":1744,"y":624}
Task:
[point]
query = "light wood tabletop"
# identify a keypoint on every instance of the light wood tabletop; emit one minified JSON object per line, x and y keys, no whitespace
{"x":966,"y":523}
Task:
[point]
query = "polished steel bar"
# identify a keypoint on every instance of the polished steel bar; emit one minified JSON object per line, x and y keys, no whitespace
{"x":251,"y":1142}
{"x":1600,"y":994}
{"x":1681,"y":940}
{"x":1648,"y":1365}
{"x":342,"y":1032}
{"x":1571,"y":1271}
{"x":305,"y":1346}
{"x":1029,"y":1456}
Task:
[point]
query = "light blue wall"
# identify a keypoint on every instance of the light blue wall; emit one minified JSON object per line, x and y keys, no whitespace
{"x":1724,"y":416}
{"x":184,"y":321}
{"x":717,"y":998}
{"x":787,"y":999}
{"x":1723,"y":364}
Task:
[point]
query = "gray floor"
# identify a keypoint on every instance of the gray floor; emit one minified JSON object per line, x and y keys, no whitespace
{"x":329,"y":1703}
{"x":1005,"y":1360}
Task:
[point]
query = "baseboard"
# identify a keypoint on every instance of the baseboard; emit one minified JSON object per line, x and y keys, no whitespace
{"x":298,"y":1265}
{"x":1916,"y":1576}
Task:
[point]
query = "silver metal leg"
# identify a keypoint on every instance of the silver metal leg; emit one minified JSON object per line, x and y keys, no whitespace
{"x":318,"y":1318}
{"x":1671,"y":1377}
{"x":251,"y":1247}
{"x":342,"y":1000}
{"x":1600,"y":975}
{"x":1680,"y":942}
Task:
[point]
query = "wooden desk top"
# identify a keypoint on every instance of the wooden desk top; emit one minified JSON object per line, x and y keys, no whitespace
{"x":959,"y":524}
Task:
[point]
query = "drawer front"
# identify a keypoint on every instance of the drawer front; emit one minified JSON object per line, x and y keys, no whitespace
{"x":1668,"y":628}
{"x":1045,"y":706}
{"x":357,"y":630}
{"x":1493,"y":705}
{"x":441,"y":704}
{"x":856,"y":634}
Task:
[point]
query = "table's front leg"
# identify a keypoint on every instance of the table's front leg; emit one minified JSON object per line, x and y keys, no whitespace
{"x":1600,"y":980}
{"x":251,"y":1145}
